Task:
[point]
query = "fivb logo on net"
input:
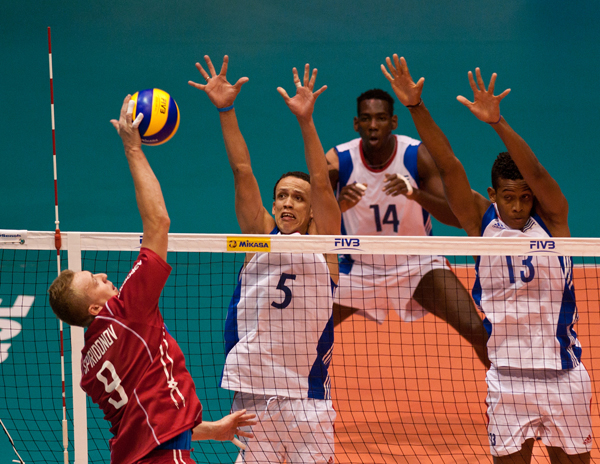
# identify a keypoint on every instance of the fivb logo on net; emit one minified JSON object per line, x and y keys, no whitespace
{"x":346,"y":243}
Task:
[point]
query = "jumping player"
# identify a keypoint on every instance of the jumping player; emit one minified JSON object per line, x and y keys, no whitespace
{"x":279,"y":328}
{"x":537,"y":386}
{"x":388,"y":184}
{"x":131,"y":366}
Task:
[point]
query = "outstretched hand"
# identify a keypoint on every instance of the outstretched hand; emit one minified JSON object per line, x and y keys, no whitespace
{"x":303,"y":103}
{"x":403,"y":85}
{"x":226,"y":429}
{"x":221,"y":93}
{"x":485,"y":105}
{"x":126,"y":127}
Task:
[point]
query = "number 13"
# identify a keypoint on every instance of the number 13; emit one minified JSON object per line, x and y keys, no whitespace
{"x":524,"y":278}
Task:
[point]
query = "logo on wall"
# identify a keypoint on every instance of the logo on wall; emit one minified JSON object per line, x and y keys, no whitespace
{"x":9,"y":328}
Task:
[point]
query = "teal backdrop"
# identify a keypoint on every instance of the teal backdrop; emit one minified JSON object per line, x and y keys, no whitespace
{"x":545,"y":51}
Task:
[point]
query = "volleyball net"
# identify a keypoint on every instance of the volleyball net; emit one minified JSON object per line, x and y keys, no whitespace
{"x":403,"y":392}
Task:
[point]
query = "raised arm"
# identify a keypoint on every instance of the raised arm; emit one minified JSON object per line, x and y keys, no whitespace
{"x":468,"y":206}
{"x":551,"y":203}
{"x":150,"y":201}
{"x":252,"y":217}
{"x":326,"y":213}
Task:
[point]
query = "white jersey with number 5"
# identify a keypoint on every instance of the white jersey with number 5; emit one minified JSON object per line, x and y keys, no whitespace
{"x":377,"y":213}
{"x":529,"y":302}
{"x":279,"y":327}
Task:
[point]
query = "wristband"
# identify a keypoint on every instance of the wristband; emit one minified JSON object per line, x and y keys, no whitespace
{"x":418,"y":104}
{"x":227,"y":108}
{"x":494,"y":123}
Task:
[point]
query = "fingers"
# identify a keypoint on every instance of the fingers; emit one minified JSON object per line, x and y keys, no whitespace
{"x":464,"y":101}
{"x":297,"y":82}
{"x":283,"y":93}
{"x":503,"y":94}
{"x":492,"y":84}
{"x":198,"y":86}
{"x":241,"y":433}
{"x":137,"y":121}
{"x":306,"y":74}
{"x":386,"y":73}
{"x":320,"y":91}
{"x":238,"y":443}
{"x":211,"y":68}
{"x":241,"y":81}
{"x":203,"y":73}
{"x":397,"y":184}
{"x":224,"y":66}
{"x":480,"y":82}
{"x":391,"y":66}
{"x":115,"y":124}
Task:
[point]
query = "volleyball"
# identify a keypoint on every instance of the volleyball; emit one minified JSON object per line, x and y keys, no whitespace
{"x":161,"y":115}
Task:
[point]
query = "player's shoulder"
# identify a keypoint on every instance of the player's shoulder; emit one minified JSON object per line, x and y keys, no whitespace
{"x":406,"y":140}
{"x":347,"y":146}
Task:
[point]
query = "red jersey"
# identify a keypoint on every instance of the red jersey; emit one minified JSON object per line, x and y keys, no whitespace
{"x":134,"y":370}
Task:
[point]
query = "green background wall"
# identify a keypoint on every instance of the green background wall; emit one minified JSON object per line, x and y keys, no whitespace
{"x":547,"y":52}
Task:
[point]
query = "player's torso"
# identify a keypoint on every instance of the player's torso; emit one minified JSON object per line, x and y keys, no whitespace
{"x":529,"y":302}
{"x":116,"y":355}
{"x":279,"y":331}
{"x":378,"y":213}
{"x":136,"y":373}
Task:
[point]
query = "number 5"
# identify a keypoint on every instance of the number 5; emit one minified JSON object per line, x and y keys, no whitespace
{"x":286,"y":291}
{"x":114,"y":385}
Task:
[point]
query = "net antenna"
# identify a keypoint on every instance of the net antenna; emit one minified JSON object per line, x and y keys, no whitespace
{"x":57,"y":244}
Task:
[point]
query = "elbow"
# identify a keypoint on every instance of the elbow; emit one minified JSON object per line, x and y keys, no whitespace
{"x":161,"y":223}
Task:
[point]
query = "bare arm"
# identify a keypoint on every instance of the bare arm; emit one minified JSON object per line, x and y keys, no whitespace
{"x":551,"y":203}
{"x":326,"y":213}
{"x":150,"y":201}
{"x":252,"y":217}
{"x":467,"y":206}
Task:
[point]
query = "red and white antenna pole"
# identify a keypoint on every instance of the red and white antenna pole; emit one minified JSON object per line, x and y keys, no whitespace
{"x":58,"y":244}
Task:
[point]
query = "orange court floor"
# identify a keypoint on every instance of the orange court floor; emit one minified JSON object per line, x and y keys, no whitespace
{"x":415,"y":392}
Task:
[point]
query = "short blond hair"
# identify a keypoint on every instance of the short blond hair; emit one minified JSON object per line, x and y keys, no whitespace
{"x":67,"y":303}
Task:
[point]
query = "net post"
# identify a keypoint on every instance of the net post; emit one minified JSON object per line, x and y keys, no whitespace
{"x":80,"y":443}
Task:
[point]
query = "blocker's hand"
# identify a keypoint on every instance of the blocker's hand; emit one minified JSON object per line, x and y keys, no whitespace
{"x":220,"y":92}
{"x":485,"y":105}
{"x":350,"y":195}
{"x":403,"y":85}
{"x":303,"y":103}
{"x":126,"y":127}
{"x":397,"y":184}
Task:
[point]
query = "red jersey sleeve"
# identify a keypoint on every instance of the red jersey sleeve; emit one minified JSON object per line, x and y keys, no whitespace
{"x":139,"y":294}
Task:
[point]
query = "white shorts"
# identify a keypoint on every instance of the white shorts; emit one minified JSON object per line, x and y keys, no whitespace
{"x":288,"y":429}
{"x":375,"y":289}
{"x":554,"y":406}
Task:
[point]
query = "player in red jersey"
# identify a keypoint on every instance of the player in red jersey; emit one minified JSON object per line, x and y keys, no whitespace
{"x":131,"y":366}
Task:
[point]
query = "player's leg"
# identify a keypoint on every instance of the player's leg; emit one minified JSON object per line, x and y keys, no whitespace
{"x":310,"y":427}
{"x":520,"y":457}
{"x":442,"y":294}
{"x":568,"y":424}
{"x":266,"y":447}
{"x":558,"y":456}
